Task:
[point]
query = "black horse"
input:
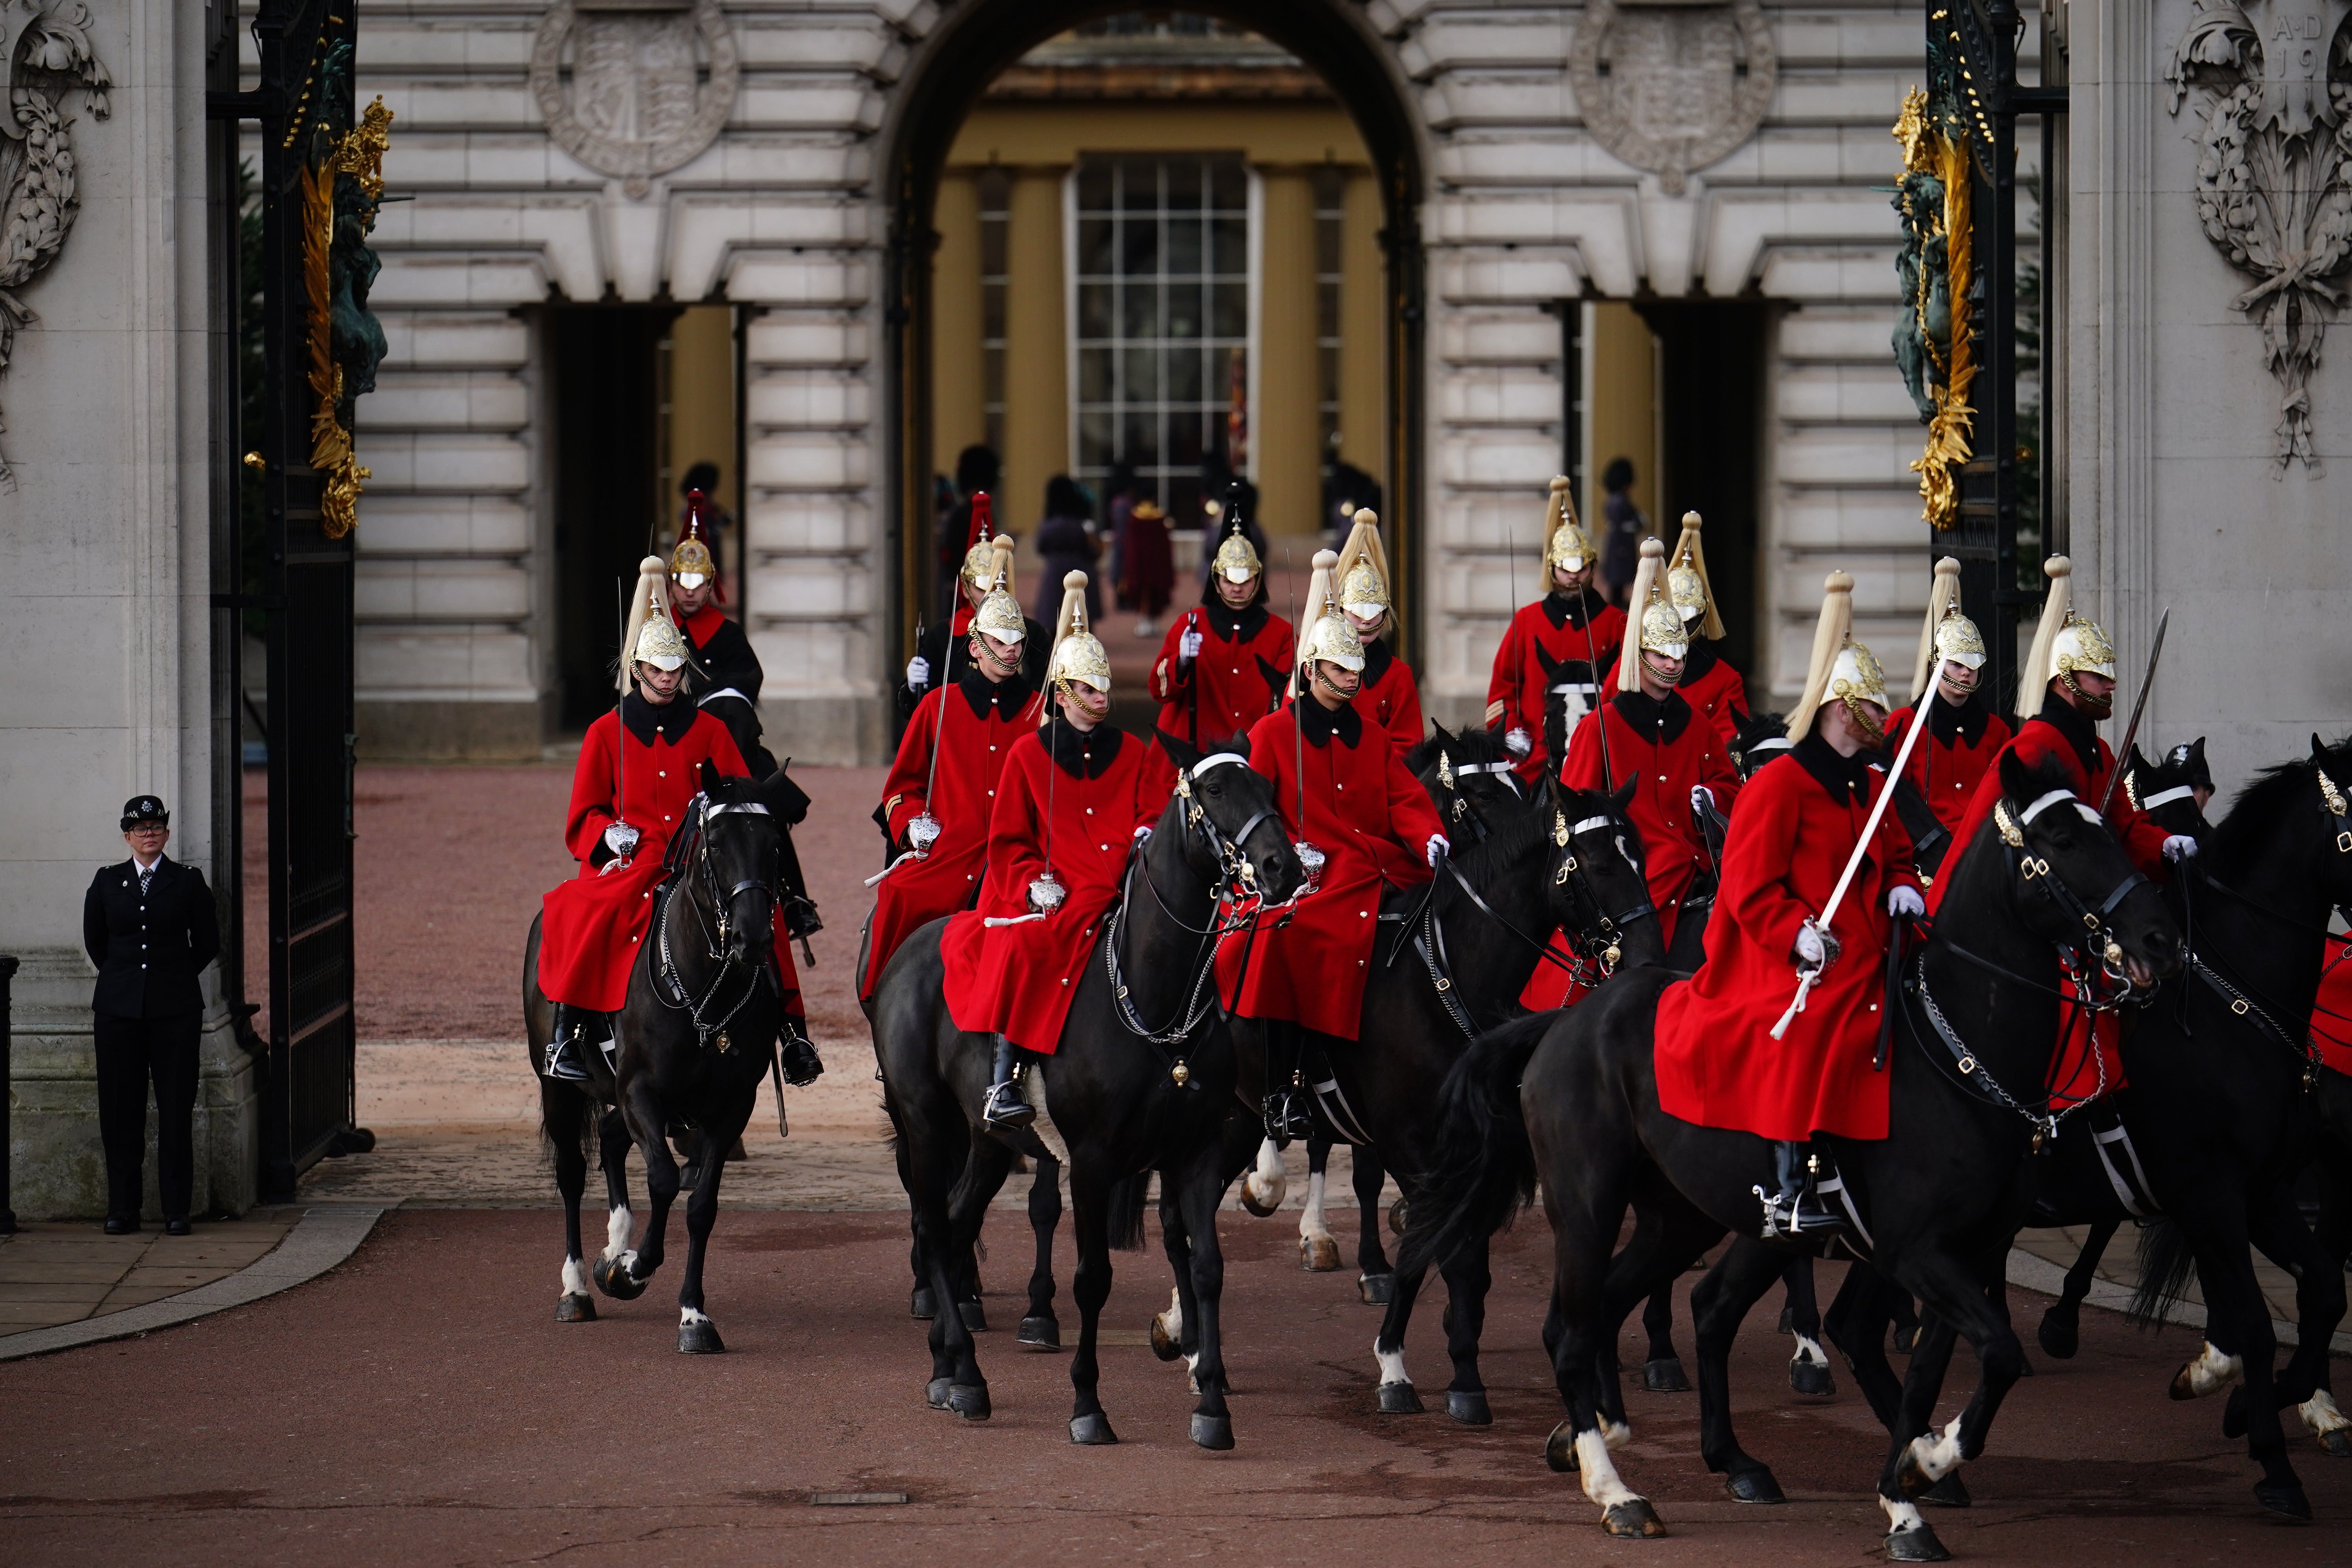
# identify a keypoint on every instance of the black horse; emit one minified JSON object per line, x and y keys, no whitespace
{"x":1574,"y":1101}
{"x":1452,"y":958}
{"x":1141,"y":1081}
{"x":698,"y":1032}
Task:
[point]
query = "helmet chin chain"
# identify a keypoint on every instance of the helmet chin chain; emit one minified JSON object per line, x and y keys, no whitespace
{"x":1873,"y":732}
{"x":2096,"y":707}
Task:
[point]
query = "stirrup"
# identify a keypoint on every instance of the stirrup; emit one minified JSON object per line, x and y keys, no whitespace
{"x":801,"y":1064}
{"x":1005,"y":1108}
{"x":1285,"y":1122}
{"x":563,"y":1060}
{"x":1790,"y":1215}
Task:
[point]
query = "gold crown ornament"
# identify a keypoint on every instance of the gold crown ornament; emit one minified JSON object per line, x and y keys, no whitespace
{"x":999,"y":613}
{"x":1236,"y":560}
{"x":1330,"y":638}
{"x":1565,"y":546}
{"x":1362,"y":572}
{"x":1687,"y":587}
{"x":1078,"y":657}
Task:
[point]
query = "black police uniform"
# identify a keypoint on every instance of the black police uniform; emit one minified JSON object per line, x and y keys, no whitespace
{"x":149,"y":938}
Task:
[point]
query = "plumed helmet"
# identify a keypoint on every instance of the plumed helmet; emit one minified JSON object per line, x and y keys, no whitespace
{"x":1078,"y":656}
{"x":1565,"y":546}
{"x":1687,"y":587}
{"x":1840,"y":669}
{"x":1661,"y":629}
{"x":2063,"y":644}
{"x":1236,"y":559}
{"x":1958,"y":641}
{"x":1362,"y":572}
{"x":1856,"y":675}
{"x":647,"y":636}
{"x":659,"y":644}
{"x":2082,"y":647}
{"x":690,"y":562}
{"x":980,"y":561}
{"x":1328,"y":637}
{"x":999,"y":613}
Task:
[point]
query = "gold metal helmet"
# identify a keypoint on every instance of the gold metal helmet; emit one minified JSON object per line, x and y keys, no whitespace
{"x":1855,"y":676}
{"x":659,"y":644}
{"x":2081,"y":648}
{"x":1958,"y":641}
{"x":1662,"y":630}
{"x":1078,"y":656}
{"x":691,"y":564}
{"x":1686,"y":593}
{"x":1687,"y":587}
{"x":1330,"y":638}
{"x":1363,"y":571}
{"x":980,"y":561}
{"x":647,"y":633}
{"x":1840,"y":669}
{"x":1236,"y":560}
{"x":1000,"y":613}
{"x":1363,"y":592}
{"x":1565,"y":546}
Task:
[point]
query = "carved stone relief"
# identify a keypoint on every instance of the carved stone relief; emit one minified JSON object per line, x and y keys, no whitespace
{"x":1671,"y":86}
{"x":45,"y":52}
{"x":633,"y":87}
{"x":2274,"y":146}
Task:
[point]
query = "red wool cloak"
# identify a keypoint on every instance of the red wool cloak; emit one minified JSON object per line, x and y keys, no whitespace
{"x":1245,"y":662}
{"x":1543,"y":637}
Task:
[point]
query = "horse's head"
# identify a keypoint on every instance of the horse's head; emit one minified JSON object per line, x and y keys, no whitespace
{"x":1471,"y":780}
{"x":735,"y":862}
{"x":2167,"y":790}
{"x":1230,"y":823}
{"x":2074,"y":885}
{"x":1600,"y":888}
{"x":1760,"y":738}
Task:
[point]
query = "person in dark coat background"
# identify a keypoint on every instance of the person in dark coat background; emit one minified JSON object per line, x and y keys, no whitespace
{"x":1068,"y":541}
{"x":150,"y":926}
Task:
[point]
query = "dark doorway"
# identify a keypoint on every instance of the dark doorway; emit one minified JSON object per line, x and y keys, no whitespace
{"x":601,"y":374}
{"x":1710,"y":456}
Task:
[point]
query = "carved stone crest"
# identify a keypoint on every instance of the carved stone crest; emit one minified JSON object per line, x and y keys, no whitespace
{"x":633,"y":87}
{"x":2273,"y":151}
{"x":45,"y":50}
{"x":1671,"y":86}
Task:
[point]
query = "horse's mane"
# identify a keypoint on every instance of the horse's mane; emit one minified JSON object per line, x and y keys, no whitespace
{"x":1462,"y":746}
{"x":1521,"y":835}
{"x":2268,"y":801}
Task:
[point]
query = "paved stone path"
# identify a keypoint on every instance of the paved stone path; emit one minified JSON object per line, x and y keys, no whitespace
{"x":64,"y":1271}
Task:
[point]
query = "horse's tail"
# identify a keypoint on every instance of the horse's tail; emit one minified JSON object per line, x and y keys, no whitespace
{"x":2166,"y":1261}
{"x":1484,"y":1170}
{"x":1126,"y":1218}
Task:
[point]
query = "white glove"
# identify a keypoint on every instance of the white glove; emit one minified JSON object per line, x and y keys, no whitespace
{"x":1437,"y":846}
{"x":621,"y":839}
{"x":1189,"y":646}
{"x":919,"y":673}
{"x":1816,"y":949}
{"x":1516,"y":742}
{"x":1144,"y":834}
{"x":1905,"y":903}
{"x":1702,"y":799}
{"x":1045,"y":895}
{"x":922,"y":832}
{"x":2180,"y":847}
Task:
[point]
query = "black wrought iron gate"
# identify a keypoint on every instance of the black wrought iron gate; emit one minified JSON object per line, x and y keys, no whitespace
{"x":319,"y":180}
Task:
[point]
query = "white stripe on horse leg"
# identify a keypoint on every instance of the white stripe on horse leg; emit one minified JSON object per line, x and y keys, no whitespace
{"x":1599,"y":1471}
{"x":1266,"y":1185}
{"x":1810,"y":1350}
{"x":688,"y":1317}
{"x":1310,"y":1218}
{"x":2211,"y":1371}
{"x":1619,"y":1432}
{"x":1901,"y":1517}
{"x":617,"y":1226}
{"x":575,"y":1281}
{"x":1391,"y":1364}
{"x":1936,"y":1455}
{"x":2319,"y":1413}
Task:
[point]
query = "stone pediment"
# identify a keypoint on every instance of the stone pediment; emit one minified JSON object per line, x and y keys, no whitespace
{"x":633,"y":87}
{"x":1671,"y":86}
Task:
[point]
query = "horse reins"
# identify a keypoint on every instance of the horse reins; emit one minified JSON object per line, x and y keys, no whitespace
{"x":663,"y":964}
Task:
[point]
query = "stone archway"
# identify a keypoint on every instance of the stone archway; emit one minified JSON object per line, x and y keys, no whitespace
{"x":944,"y":79}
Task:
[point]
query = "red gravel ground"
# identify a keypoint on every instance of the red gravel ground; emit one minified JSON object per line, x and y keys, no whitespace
{"x":419,"y":1405}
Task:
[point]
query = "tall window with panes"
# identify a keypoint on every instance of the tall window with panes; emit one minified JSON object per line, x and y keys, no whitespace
{"x":1160,"y":304}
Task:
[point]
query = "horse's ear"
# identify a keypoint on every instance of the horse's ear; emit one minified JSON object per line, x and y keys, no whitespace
{"x":709,"y":776}
{"x":1624,"y":795}
{"x":2318,"y":749}
{"x":1442,"y":735}
{"x":2016,"y":777}
{"x":2139,"y":763}
{"x":1185,"y":756}
{"x":785,"y":801}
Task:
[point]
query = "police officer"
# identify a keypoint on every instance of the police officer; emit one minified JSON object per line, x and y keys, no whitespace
{"x":150,"y":926}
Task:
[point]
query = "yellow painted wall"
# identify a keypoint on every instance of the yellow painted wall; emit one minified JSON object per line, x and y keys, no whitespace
{"x":702,"y":415}
{"x":958,"y":394}
{"x":1284,"y":425}
{"x":1363,"y":333}
{"x":1623,"y":401}
{"x":1036,"y":367}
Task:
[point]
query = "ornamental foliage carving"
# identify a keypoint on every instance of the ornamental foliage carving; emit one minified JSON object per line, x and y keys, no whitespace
{"x":1671,"y":86}
{"x":1936,"y":267}
{"x":2273,"y":134}
{"x":633,"y":90}
{"x":45,"y":53}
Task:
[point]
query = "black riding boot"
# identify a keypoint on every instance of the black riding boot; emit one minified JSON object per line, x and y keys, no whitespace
{"x":564,"y":1044}
{"x":1005,"y":1107}
{"x":1797,"y":1208}
{"x":801,"y":1063}
{"x":1285,"y":1113}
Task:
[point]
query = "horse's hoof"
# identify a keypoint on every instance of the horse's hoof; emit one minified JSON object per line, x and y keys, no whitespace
{"x":2286,"y":1501}
{"x":1399,"y":1399}
{"x":1397,"y":1216}
{"x":2337,"y":1443}
{"x":1754,"y":1486}
{"x":1916,"y":1545}
{"x":1468,"y":1405}
{"x":1318,"y":1254}
{"x":1788,"y":1320}
{"x":975,"y":1316}
{"x":1039,"y":1334}
{"x":575,"y":1307}
{"x":1163,"y":1344}
{"x":935,"y":1392}
{"x":1949,"y":1492}
{"x":1811,"y":1379}
{"x":969,"y":1400}
{"x":1559,"y":1450}
{"x":1633,"y":1516}
{"x":1212,"y":1432}
{"x":1906,"y":1339}
{"x":612,"y":1278}
{"x":2061,"y":1336}
{"x":1666,"y":1375}
{"x":1376,"y":1289}
{"x":922,"y":1304}
{"x":2234,"y":1414}
{"x":1251,"y":1202}
{"x":1093,"y":1431}
{"x":699,"y":1338}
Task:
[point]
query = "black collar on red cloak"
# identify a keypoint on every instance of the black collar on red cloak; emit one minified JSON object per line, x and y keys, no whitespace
{"x":1659,"y":722}
{"x":1562,"y":610}
{"x":1009,"y":696}
{"x":1701,"y":658}
{"x":1081,"y":754}
{"x":1319,"y":723}
{"x":1377,"y":659}
{"x":1964,"y":721}
{"x":671,"y":721}
{"x":2063,"y":717}
{"x":1845,"y":778}
{"x":1235,"y":625}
